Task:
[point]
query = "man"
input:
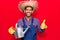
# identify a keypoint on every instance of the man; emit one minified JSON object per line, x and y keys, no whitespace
{"x":28,"y":7}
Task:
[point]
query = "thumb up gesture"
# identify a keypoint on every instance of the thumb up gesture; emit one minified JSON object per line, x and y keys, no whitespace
{"x":43,"y":25}
{"x":11,"y":30}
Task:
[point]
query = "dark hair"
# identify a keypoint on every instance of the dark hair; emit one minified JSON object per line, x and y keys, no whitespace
{"x":28,"y":6}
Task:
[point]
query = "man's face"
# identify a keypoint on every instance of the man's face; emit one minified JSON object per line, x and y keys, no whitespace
{"x":28,"y":11}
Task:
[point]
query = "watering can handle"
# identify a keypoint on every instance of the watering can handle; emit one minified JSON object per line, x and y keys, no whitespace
{"x":26,"y":29}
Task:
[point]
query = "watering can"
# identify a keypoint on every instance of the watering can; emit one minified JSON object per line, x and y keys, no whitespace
{"x":19,"y":31}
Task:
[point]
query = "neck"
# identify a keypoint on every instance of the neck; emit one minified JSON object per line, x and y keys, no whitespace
{"x":28,"y":18}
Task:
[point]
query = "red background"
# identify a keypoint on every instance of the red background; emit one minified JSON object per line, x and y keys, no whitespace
{"x":47,"y":9}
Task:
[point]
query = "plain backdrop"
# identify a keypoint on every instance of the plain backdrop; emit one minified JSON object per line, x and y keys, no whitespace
{"x":47,"y":9}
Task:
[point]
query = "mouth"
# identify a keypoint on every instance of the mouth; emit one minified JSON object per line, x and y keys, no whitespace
{"x":28,"y":12}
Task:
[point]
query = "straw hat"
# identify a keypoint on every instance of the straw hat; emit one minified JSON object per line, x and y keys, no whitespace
{"x":23,"y":4}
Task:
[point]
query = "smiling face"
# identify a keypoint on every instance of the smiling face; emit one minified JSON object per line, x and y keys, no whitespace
{"x":28,"y":11}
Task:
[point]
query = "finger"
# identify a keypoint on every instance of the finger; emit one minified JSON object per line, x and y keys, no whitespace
{"x":46,"y":26}
{"x":44,"y":20}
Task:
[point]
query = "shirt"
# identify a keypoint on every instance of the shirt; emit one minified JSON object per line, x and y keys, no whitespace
{"x":35,"y":22}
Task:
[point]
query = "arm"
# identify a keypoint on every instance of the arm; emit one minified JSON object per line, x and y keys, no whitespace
{"x":11,"y":30}
{"x":19,"y":23}
{"x":38,"y":27}
{"x":17,"y":27}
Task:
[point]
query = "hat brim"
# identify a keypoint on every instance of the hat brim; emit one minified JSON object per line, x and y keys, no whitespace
{"x":23,"y":4}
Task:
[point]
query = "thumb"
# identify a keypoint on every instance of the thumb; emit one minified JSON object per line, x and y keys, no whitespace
{"x":11,"y":30}
{"x":44,"y":20}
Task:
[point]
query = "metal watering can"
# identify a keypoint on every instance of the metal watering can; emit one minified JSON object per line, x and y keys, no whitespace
{"x":19,"y":33}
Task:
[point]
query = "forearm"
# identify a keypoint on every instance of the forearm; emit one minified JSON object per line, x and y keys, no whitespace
{"x":41,"y":30}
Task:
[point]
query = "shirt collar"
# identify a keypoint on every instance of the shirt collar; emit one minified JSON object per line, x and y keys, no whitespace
{"x":26,"y":19}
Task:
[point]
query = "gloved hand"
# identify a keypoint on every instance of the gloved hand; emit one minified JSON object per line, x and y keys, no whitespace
{"x":43,"y":25}
{"x":11,"y":30}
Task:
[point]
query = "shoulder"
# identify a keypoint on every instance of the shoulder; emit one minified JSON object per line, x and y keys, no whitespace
{"x":36,"y":19}
{"x":20,"y":20}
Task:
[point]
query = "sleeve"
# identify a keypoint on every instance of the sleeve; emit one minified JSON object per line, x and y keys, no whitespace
{"x":19,"y":23}
{"x":38,"y":27}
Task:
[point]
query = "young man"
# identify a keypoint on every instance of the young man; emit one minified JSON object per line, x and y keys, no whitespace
{"x":28,"y":7}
